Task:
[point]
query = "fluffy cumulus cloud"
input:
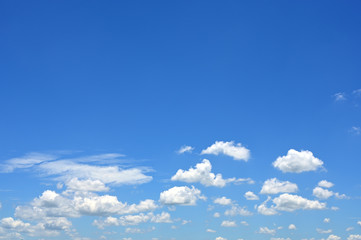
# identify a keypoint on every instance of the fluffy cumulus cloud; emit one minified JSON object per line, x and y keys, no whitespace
{"x":52,"y":204}
{"x":228,"y":224}
{"x":237,"y":151}
{"x":297,"y":162}
{"x":251,"y":196}
{"x":325,"y":184}
{"x":223,"y":201}
{"x":266,"y":230}
{"x":185,"y":149}
{"x":264,"y":210}
{"x":322,"y":193}
{"x":221,"y":238}
{"x":292,"y":227}
{"x":87,"y":185}
{"x":333,"y":237}
{"x":288,"y":202}
{"x":274,"y":186}
{"x":202,"y":173}
{"x":48,"y":227}
{"x":181,"y":196}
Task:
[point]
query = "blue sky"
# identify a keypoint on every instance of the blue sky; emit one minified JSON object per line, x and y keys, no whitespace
{"x":160,"y":120}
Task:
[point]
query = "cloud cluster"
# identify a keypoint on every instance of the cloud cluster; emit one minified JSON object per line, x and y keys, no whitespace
{"x":202,"y":173}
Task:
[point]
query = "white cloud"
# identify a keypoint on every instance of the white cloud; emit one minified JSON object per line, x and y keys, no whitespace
{"x":326,"y":220}
{"x":185,"y":149}
{"x":244,"y":223}
{"x":107,"y":174}
{"x":325,"y":194}
{"x":27,"y":161}
{"x":202,"y":174}
{"x":297,"y":162}
{"x":266,"y":230}
{"x":322,"y":231}
{"x":333,"y":237}
{"x":359,"y":223}
{"x":181,"y":196}
{"x":237,"y":151}
{"x":210,"y":230}
{"x":251,"y":196}
{"x":322,"y":193}
{"x":292,"y":227}
{"x":221,"y":238}
{"x":223,"y":201}
{"x":228,"y":224}
{"x":216,"y":215}
{"x":48,"y":227}
{"x":280,"y":238}
{"x":288,"y":202}
{"x":274,"y":186}
{"x":354,"y":237}
{"x":325,"y":184}
{"x":264,"y":210}
{"x":340,"y":96}
{"x":87,"y":185}
{"x":349,"y":229}
{"x":52,"y":204}
{"x":131,"y":220}
{"x":237,"y":210}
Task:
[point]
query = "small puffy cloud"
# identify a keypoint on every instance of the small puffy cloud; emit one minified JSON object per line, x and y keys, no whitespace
{"x":359,"y":223}
{"x":322,"y":231}
{"x":185,"y":149}
{"x":251,"y":196}
{"x":333,"y":237}
{"x":322,"y":193}
{"x":223,"y":201}
{"x":266,"y":230}
{"x":244,"y":223}
{"x":87,"y":185}
{"x":288,"y":202}
{"x":221,"y":238}
{"x":237,"y":151}
{"x":340,"y":96}
{"x":216,"y":215}
{"x":202,"y":173}
{"x":326,"y":220}
{"x":264,"y":210}
{"x":181,"y":196}
{"x":297,"y":162}
{"x":354,"y":237}
{"x":228,"y":224}
{"x":325,"y":184}
{"x":292,"y":227}
{"x":210,"y":230}
{"x":237,"y":210}
{"x":274,"y":186}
